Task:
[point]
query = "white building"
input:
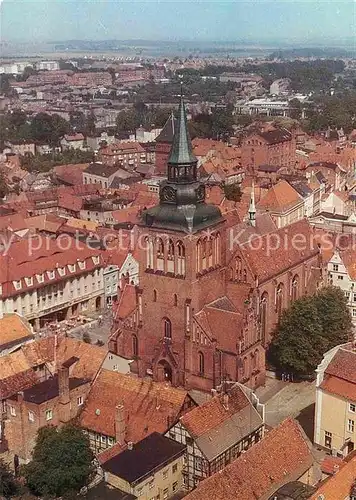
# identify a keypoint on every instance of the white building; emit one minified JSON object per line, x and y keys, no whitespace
{"x":47,"y":65}
{"x":14,"y":68}
{"x":341,"y":272}
{"x":47,"y":280}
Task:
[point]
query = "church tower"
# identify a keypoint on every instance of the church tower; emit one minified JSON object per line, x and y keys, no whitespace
{"x":181,"y":268}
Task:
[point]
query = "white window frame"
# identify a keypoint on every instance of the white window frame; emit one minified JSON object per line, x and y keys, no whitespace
{"x":29,"y":281}
{"x":352,"y":407}
{"x":49,"y":415}
{"x":80,"y":400}
{"x":350,"y":425}
{"x":12,"y":411}
{"x":31,"y":416}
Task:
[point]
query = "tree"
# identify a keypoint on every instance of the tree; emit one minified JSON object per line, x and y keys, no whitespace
{"x":298,"y":344}
{"x":335,"y":318}
{"x":232,"y":191}
{"x":48,"y":128}
{"x":61,"y":462}
{"x":309,"y":328}
{"x":295,"y":109}
{"x":8,"y":484}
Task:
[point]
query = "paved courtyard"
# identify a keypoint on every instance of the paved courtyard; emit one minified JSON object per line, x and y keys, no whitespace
{"x":293,"y":399}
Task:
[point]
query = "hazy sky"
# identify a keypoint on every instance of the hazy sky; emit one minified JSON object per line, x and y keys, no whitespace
{"x":288,"y":20}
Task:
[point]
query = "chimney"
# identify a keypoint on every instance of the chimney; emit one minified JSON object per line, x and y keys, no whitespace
{"x":226,"y":401}
{"x":64,"y":399}
{"x":120,"y":424}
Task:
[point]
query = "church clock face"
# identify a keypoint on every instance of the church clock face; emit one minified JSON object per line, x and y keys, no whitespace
{"x":168,"y":194}
{"x":200,"y":193}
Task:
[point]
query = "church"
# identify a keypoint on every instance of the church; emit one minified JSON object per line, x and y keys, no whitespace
{"x":198,"y":318}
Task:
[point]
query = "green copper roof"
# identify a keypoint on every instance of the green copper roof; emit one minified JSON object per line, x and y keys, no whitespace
{"x":182,"y":151}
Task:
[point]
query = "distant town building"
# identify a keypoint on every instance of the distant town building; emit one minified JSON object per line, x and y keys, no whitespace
{"x":74,"y":141}
{"x":127,"y":154}
{"x":273,"y":147}
{"x":47,"y":65}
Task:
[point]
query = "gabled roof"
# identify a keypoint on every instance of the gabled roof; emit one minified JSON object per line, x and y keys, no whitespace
{"x":217,"y":425}
{"x":149,"y":406}
{"x":127,"y":303}
{"x":283,"y":455}
{"x":340,"y":484}
{"x":60,"y":349}
{"x":74,"y":137}
{"x":348,"y":257}
{"x":266,"y":261}
{"x":276,"y":136}
{"x":343,"y":365}
{"x":280,"y":197}
{"x":13,"y":329}
{"x":101,"y":170}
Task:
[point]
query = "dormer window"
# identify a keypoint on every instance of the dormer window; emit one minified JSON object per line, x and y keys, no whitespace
{"x":29,"y":281}
{"x":51,"y":275}
{"x":81,"y":264}
{"x":62,"y":271}
{"x":71,"y":268}
{"x":96,"y":260}
{"x":40,"y":278}
{"x":17,"y":285}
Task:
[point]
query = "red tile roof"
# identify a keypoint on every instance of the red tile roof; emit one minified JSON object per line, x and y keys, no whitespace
{"x":280,"y":198}
{"x":36,"y":255}
{"x":343,"y":365}
{"x":330,"y":465}
{"x":213,"y":413}
{"x":339,"y":387}
{"x":74,"y":137}
{"x":149,"y":406}
{"x":52,"y":350}
{"x":13,"y":328}
{"x":17,"y":382}
{"x":348,"y":257}
{"x":282,"y":456}
{"x":266,"y":261}
{"x":338,"y":486}
{"x":127,"y":302}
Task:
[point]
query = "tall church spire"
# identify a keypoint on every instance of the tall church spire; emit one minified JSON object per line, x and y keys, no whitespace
{"x":182,"y":204}
{"x":182,"y":151}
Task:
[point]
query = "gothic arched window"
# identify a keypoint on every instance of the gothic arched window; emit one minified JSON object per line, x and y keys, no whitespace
{"x":217,"y":242}
{"x":160,"y":254}
{"x":295,"y":287}
{"x":279,"y":300}
{"x":201,"y":363}
{"x":167,"y":325}
{"x":134,"y":345}
{"x":181,"y":259}
{"x":263,"y":315}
